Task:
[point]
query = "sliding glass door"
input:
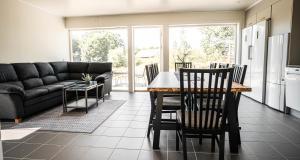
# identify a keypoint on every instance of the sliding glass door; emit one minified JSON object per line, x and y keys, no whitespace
{"x":103,"y":45}
{"x":147,"y":50}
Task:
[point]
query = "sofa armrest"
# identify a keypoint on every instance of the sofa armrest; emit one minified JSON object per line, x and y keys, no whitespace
{"x":11,"y":98}
{"x":102,"y":77}
{"x":11,"y":89}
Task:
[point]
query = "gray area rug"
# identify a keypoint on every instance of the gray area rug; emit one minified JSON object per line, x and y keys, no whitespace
{"x":75,"y":120}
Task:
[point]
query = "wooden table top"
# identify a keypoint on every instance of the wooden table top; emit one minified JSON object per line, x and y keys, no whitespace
{"x":168,"y":82}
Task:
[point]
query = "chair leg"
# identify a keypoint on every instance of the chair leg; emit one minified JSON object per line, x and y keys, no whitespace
{"x":177,"y":141}
{"x":239,"y":138}
{"x":213,"y":143}
{"x":200,"y":139}
{"x":150,"y":121}
{"x":184,"y":146}
{"x":221,"y":146}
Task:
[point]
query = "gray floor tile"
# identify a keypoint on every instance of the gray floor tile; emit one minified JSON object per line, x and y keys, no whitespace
{"x":63,"y":139}
{"x":21,"y":150}
{"x":96,"y":141}
{"x":152,"y":155}
{"x":130,"y":143}
{"x":71,"y":153}
{"x":41,"y":138}
{"x":45,"y":152}
{"x":135,"y":132}
{"x":287,"y":149}
{"x":114,"y":132}
{"x":98,"y":154}
{"x":120,"y":154}
{"x":6,"y":146}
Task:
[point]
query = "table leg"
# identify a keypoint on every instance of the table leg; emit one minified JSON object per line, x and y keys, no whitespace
{"x":63,"y":99}
{"x":157,"y":121}
{"x":97,"y":95}
{"x":66,"y":101}
{"x":76,"y":95}
{"x":86,"y":101}
{"x":233,"y":125}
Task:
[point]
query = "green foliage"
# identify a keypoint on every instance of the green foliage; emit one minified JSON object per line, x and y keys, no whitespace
{"x":182,"y":49}
{"x":95,"y":46}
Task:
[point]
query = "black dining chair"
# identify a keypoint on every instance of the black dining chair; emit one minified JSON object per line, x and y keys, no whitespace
{"x":213,"y":65}
{"x":239,"y":77}
{"x":170,"y":104}
{"x":224,"y":65}
{"x":179,"y":65}
{"x":156,"y":70}
{"x":205,"y":115}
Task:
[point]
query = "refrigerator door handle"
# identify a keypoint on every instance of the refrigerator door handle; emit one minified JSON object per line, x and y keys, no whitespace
{"x":250,"y":52}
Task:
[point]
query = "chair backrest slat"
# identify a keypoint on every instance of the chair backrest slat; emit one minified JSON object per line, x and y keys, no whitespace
{"x":213,"y":65}
{"x":179,"y":65}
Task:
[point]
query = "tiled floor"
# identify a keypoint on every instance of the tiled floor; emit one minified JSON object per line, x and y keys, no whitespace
{"x":266,"y":135}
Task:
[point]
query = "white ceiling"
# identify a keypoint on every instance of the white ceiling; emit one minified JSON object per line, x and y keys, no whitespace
{"x":68,"y":8}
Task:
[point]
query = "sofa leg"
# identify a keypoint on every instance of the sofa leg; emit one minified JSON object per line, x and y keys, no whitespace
{"x":18,"y":120}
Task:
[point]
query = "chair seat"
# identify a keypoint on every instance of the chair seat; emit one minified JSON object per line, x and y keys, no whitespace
{"x":197,"y":124}
{"x":171,"y":101}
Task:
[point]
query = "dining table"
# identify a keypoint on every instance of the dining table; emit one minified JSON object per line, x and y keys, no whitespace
{"x":168,"y":83}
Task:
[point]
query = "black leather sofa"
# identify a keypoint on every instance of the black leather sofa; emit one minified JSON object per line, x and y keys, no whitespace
{"x":28,"y":88}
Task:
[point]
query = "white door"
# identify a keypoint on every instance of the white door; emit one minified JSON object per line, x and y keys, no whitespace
{"x":246,"y":49}
{"x":273,"y":94}
{"x":275,"y":55}
{"x":258,"y":63}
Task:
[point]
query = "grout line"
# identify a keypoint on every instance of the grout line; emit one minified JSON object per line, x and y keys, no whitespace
{"x":277,"y":151}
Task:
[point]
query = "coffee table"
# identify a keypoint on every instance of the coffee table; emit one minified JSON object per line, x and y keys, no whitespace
{"x":82,"y":87}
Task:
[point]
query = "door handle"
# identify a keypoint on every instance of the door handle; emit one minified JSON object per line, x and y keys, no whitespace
{"x":249,"y":52}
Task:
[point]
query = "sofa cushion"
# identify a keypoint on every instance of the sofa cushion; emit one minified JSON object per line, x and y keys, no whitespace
{"x":42,"y":99}
{"x":99,"y":68}
{"x":32,"y":83}
{"x":36,"y":92}
{"x":7,"y":73}
{"x":78,"y":67}
{"x":75,"y":76}
{"x":49,"y":80}
{"x":46,"y":73}
{"x":44,"y":69}
{"x":26,"y":70}
{"x":60,"y":67}
{"x":60,"y":70}
{"x":53,"y":88}
{"x":17,"y":83}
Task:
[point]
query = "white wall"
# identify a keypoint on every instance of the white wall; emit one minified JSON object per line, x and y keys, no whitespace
{"x":28,"y":34}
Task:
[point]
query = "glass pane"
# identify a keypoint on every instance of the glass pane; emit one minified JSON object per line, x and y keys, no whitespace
{"x":147,"y":44}
{"x":103,"y":45}
{"x":202,"y":45}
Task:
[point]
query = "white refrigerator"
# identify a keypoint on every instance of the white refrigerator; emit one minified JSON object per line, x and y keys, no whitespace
{"x":277,"y":57}
{"x":254,"y":55}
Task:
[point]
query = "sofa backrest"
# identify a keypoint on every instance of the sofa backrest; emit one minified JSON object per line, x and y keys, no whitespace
{"x":46,"y":73}
{"x":76,"y":69}
{"x":28,"y":74}
{"x":61,"y":70}
{"x":8,"y":75}
{"x":99,"y":68}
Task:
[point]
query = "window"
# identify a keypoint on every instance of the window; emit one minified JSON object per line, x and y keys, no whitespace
{"x":202,"y":45}
{"x":147,"y":42}
{"x":103,"y":45}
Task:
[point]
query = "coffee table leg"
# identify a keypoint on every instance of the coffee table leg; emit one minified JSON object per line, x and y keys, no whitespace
{"x":86,"y":102}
